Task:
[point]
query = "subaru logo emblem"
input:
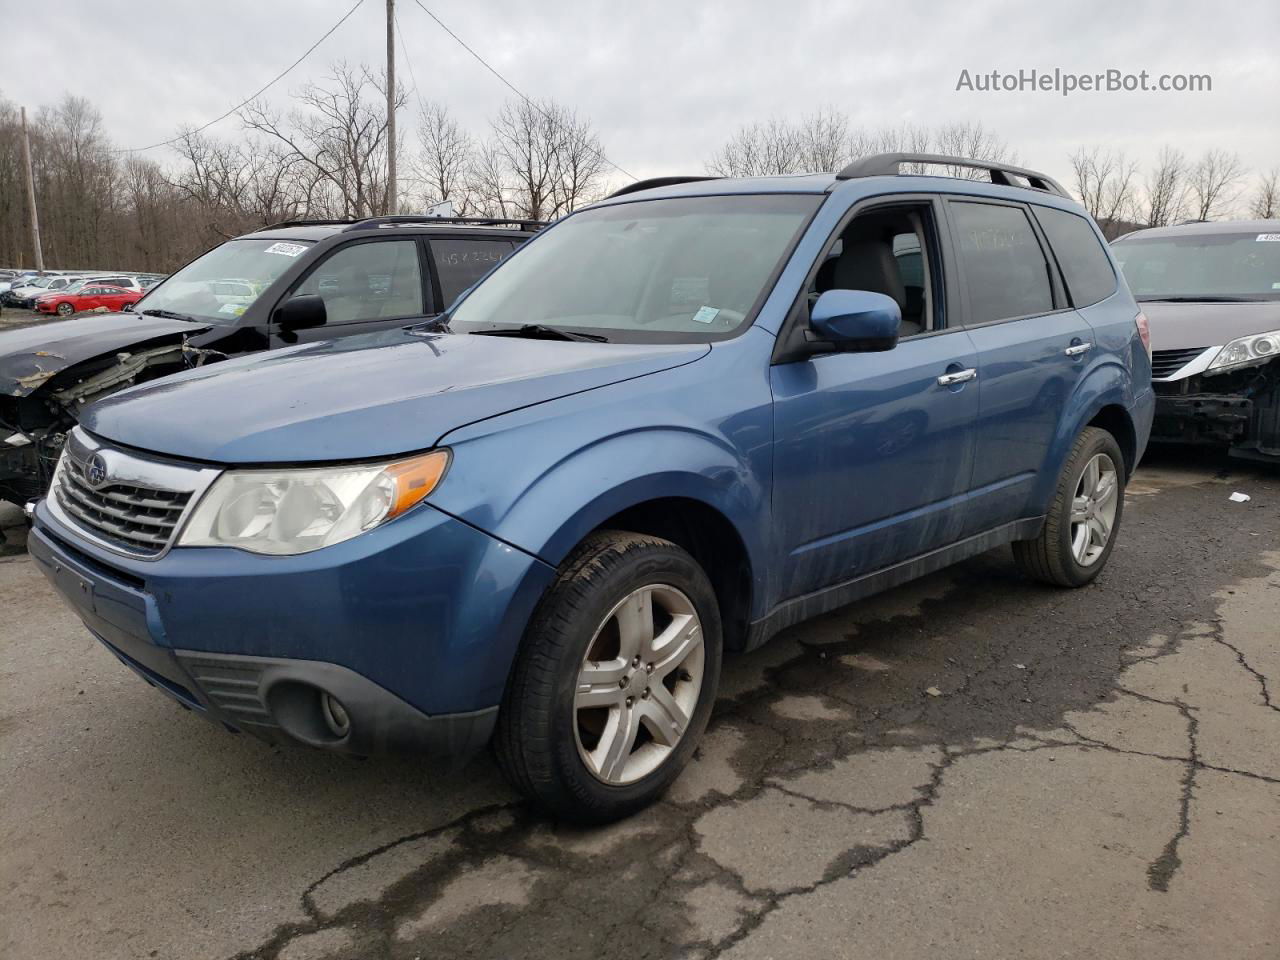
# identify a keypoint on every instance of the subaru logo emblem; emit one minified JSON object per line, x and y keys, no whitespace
{"x":96,"y":471}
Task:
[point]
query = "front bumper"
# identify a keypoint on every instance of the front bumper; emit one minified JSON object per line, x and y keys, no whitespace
{"x":1239,"y":410}
{"x":412,"y":627}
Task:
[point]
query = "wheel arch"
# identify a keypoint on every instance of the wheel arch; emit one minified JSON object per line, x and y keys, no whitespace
{"x":712,"y":540}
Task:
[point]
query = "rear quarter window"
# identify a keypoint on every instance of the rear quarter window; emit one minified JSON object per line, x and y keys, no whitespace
{"x":1084,"y":264}
{"x":461,"y":262}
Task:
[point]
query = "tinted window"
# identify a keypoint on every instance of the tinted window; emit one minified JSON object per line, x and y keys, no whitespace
{"x":1004,"y":266}
{"x":1084,"y":263}
{"x":461,"y":262}
{"x":368,"y":281}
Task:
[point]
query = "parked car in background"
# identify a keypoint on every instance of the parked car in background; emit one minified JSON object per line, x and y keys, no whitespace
{"x":1211,"y":292}
{"x":675,"y":423}
{"x":290,"y":283}
{"x":6,"y":280}
{"x":89,"y":295}
{"x":23,"y":297}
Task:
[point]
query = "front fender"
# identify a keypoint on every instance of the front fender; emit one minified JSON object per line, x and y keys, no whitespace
{"x":581,"y":490}
{"x":544,"y":477}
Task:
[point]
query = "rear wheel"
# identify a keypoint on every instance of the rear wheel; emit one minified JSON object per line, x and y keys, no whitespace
{"x":1080,"y":529}
{"x":615,"y":679}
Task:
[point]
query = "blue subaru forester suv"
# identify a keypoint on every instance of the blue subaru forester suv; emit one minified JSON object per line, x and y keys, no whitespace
{"x":670,"y":425}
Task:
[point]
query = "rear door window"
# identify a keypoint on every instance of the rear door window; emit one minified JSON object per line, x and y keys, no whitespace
{"x":462,"y":261}
{"x":1084,"y":264}
{"x":1004,"y":265}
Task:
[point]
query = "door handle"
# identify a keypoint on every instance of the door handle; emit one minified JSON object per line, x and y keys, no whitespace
{"x":1078,"y":348}
{"x":960,"y":376}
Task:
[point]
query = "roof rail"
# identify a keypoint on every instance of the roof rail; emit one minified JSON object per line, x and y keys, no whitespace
{"x":369,"y":223}
{"x":305,"y":223}
{"x":887,"y":165}
{"x":653,"y":182}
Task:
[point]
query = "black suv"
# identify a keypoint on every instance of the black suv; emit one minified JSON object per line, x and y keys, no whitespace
{"x":288,"y":283}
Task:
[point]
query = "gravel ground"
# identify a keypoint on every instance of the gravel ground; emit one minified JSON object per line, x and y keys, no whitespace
{"x":972,"y":765}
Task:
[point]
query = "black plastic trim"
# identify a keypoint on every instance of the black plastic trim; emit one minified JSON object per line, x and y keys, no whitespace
{"x":798,"y":609}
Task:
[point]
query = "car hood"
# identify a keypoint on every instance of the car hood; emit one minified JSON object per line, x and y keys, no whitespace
{"x":364,"y":397}
{"x":29,"y":356}
{"x":1185,"y":326}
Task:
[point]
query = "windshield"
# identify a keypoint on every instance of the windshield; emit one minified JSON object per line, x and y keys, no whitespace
{"x":681,"y":270}
{"x":221,"y":285}
{"x":41,"y":282}
{"x":1202,"y":266}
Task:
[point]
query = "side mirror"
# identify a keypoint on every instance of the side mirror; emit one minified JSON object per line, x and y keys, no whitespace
{"x":302,"y":313}
{"x":855,"y":321}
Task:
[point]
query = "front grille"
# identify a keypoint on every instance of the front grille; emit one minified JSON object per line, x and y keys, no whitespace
{"x":138,"y":519}
{"x":1165,"y":363}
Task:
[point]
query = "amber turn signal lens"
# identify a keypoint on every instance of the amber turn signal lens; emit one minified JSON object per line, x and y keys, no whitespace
{"x":414,"y":479}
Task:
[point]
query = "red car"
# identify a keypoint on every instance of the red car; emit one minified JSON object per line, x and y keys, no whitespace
{"x":87,"y":297}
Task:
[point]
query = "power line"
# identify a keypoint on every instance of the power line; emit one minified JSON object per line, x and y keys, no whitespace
{"x":280,"y":76}
{"x":510,"y":85}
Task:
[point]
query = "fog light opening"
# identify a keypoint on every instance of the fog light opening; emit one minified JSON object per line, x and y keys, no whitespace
{"x":336,"y":717}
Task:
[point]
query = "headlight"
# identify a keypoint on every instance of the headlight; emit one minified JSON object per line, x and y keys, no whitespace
{"x":296,"y":511}
{"x":1255,"y":349}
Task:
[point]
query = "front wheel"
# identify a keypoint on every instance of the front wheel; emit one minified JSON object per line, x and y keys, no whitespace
{"x":65,"y":310}
{"x":1084,"y":518}
{"x":615,"y":679}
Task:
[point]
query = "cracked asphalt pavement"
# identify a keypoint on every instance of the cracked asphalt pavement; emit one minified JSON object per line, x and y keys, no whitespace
{"x":972,"y":765}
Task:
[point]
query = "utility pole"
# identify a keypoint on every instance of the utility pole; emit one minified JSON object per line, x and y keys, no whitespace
{"x":31,"y":191}
{"x":391,"y":106}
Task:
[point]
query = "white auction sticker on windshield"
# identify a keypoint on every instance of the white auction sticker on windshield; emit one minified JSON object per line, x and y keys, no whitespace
{"x":705,"y":314}
{"x":287,"y":249}
{"x":1269,"y":237}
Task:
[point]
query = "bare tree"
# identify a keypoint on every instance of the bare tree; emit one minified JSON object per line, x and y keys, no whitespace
{"x":1165,"y":189}
{"x":1104,"y":182}
{"x":823,"y":141}
{"x":1266,"y":201}
{"x":445,"y":159}
{"x":340,"y":134}
{"x":766,"y":149}
{"x":1214,"y":183}
{"x":541,"y":161}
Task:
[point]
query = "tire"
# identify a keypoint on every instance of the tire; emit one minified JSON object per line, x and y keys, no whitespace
{"x":555,"y":731}
{"x":65,"y":310}
{"x":1056,"y":555}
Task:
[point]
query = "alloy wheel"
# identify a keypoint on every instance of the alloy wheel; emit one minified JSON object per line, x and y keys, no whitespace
{"x":639,"y":684}
{"x":1093,"y":509}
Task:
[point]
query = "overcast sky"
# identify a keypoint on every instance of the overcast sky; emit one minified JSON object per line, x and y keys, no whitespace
{"x":666,"y":83}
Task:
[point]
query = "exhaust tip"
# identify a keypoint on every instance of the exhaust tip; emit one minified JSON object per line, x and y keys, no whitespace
{"x":335,"y":715}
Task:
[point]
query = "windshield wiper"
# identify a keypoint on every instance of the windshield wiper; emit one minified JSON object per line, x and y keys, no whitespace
{"x":1203,"y":298}
{"x":170,"y":315}
{"x":538,"y":331}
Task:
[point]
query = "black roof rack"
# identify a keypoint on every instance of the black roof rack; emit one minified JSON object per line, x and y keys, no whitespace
{"x":370,"y":223}
{"x":888,"y":164}
{"x":654,"y":182}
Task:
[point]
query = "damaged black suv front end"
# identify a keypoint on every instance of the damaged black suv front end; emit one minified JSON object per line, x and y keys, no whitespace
{"x":49,"y":372}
